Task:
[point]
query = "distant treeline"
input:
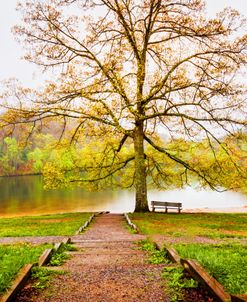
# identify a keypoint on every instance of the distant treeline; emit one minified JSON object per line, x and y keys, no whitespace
{"x":64,"y":164}
{"x":19,"y":159}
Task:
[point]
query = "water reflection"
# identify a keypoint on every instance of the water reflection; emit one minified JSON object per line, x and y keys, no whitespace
{"x":25,"y":196}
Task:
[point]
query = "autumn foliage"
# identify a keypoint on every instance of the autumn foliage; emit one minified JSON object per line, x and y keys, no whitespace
{"x":134,"y":78}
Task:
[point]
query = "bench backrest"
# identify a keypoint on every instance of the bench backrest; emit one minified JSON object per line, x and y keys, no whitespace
{"x":166,"y":203}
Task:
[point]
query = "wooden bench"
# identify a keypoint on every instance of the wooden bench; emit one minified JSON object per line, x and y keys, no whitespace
{"x":165,"y":205}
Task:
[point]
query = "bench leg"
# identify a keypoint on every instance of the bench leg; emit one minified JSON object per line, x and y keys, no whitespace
{"x":166,"y":209}
{"x":179,"y":210}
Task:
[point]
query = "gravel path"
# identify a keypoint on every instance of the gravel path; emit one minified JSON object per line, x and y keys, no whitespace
{"x":107,"y":267}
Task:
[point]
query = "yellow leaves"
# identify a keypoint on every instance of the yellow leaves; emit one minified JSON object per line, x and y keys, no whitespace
{"x":54,"y":178}
{"x":50,"y":88}
{"x":180,"y":78}
{"x":93,"y":164}
{"x":163,"y":64}
{"x":224,"y":166}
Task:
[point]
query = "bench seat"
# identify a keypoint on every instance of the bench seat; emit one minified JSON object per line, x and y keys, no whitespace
{"x":165,"y":205}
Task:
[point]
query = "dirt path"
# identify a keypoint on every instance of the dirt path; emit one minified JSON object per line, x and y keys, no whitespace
{"x":107,"y":267}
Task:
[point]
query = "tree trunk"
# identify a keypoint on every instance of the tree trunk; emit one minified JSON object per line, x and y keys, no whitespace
{"x":140,"y":170}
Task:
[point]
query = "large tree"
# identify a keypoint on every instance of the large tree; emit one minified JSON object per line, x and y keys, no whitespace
{"x":129,"y":70}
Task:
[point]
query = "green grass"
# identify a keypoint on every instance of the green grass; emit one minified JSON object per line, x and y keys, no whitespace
{"x":176,"y":282}
{"x":13,"y":258}
{"x":45,"y":225}
{"x":173,"y":275}
{"x":60,"y":256}
{"x":155,"y":256}
{"x":227,"y":263}
{"x":42,"y":276}
{"x":211,"y":225}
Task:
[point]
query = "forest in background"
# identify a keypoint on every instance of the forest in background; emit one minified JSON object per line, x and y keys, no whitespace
{"x":121,"y":75}
{"x":61,"y":162}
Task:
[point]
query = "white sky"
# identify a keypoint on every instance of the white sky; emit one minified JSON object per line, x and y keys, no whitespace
{"x":11,"y":64}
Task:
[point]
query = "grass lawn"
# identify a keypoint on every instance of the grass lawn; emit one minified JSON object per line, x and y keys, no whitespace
{"x":13,"y":258}
{"x":45,"y":225}
{"x":227,"y":263}
{"x":211,"y":225}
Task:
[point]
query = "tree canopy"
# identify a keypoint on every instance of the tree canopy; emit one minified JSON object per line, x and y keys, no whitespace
{"x":130,"y":75}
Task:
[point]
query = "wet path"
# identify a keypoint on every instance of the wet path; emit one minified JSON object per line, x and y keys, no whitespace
{"x":107,"y":267}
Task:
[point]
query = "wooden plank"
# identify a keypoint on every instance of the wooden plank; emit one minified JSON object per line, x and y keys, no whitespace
{"x":198,"y":272}
{"x":18,"y":283}
{"x":66,"y":240}
{"x":85,"y":225}
{"x":24,"y":273}
{"x":130,"y":223}
{"x":58,"y":245}
{"x":166,"y":203}
{"x":166,"y":207}
{"x":45,"y":257}
{"x":173,"y":255}
{"x":239,"y":298}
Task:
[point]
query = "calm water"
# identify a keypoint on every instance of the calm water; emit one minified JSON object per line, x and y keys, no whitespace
{"x":25,"y":196}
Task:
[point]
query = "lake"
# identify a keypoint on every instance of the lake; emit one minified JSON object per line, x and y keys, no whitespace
{"x":25,"y":195}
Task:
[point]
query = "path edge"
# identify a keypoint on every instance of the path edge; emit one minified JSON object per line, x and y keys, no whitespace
{"x":86,"y":224}
{"x":24,"y":273}
{"x":197,"y":271}
{"x":130,"y":223}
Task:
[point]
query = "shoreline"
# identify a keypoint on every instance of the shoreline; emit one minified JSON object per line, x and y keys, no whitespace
{"x":217,"y":210}
{"x":230,"y":210}
{"x":20,"y":175}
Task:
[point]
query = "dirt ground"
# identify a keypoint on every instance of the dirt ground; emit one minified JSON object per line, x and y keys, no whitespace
{"x":107,"y":267}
